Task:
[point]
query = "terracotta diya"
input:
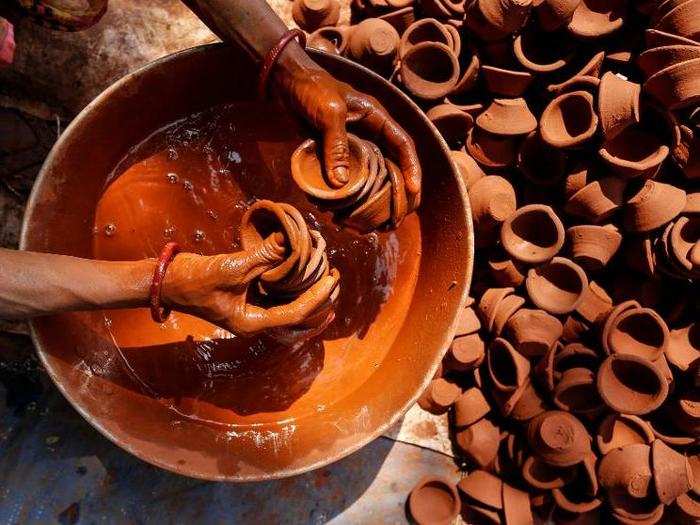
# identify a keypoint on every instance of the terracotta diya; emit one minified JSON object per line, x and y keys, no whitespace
{"x":434,"y":501}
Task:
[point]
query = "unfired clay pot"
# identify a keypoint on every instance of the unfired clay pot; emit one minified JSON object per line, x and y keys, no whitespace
{"x":656,"y":59}
{"x":506,"y":82}
{"x":470,"y":407}
{"x":467,"y":168}
{"x":598,"y":200}
{"x":597,"y":18}
{"x":493,"y":20}
{"x":479,"y":442}
{"x":429,"y":70}
{"x":336,"y":35}
{"x":507,"y":116}
{"x":558,"y":438}
{"x":638,"y":331}
{"x":676,"y":86}
{"x":493,"y":201}
{"x":620,"y":430}
{"x":618,"y":104}
{"x":533,"y":332}
{"x":593,"y":246}
{"x":452,"y":123}
{"x":569,"y":120}
{"x":557,"y":286}
{"x":504,"y":311}
{"x":627,"y":470}
{"x":508,"y":369}
{"x":424,"y":30}
{"x":631,"y":384}
{"x":553,"y":14}
{"x":672,"y":474}
{"x":374,"y":43}
{"x":439,"y":395}
{"x":539,"y":162}
{"x":434,"y":501}
{"x":655,"y":204}
{"x":312,"y":14}
{"x":533,"y":234}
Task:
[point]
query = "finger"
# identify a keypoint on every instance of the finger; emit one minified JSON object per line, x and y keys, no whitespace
{"x":336,"y":153}
{"x":265,"y":256}
{"x":399,"y":145}
{"x":293,"y":336}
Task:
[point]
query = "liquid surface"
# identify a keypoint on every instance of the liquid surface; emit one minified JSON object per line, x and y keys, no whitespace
{"x":191,"y":183}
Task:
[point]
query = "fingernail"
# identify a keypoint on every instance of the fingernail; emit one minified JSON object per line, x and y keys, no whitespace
{"x":341,"y":173}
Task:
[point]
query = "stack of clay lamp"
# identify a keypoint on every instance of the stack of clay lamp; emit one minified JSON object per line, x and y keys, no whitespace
{"x":305,"y":263}
{"x":573,"y":381}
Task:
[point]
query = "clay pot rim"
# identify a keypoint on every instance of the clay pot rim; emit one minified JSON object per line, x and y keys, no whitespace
{"x":652,"y":52}
{"x":589,"y":379}
{"x":676,"y":240}
{"x":637,"y":167}
{"x":507,"y":111}
{"x":634,"y":312}
{"x":604,"y":30}
{"x":528,"y":64}
{"x":570,"y":140}
{"x":607,"y":101}
{"x":479,"y":155}
{"x":685,"y":70}
{"x":443,"y":484}
{"x":606,"y":368}
{"x":522,"y":372}
{"x":535,"y":295}
{"x":565,"y":474}
{"x":635,"y":421}
{"x":340,"y":30}
{"x":670,"y":37}
{"x":545,"y":254}
{"x":405,"y":44}
{"x":427,"y":89}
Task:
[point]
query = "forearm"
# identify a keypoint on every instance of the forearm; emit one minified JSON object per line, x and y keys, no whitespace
{"x":34,"y":284}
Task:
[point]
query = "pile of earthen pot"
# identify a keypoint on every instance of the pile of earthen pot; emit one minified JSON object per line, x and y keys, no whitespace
{"x":573,"y":382}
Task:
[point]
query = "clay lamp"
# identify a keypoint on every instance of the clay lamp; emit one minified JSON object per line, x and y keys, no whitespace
{"x":374,"y":43}
{"x":558,"y":438}
{"x":401,"y":18}
{"x":634,"y":152}
{"x":655,"y":38}
{"x":434,"y":501}
{"x":482,"y":488}
{"x":466,"y":353}
{"x":556,"y":287}
{"x":452,"y":123}
{"x":627,"y":470}
{"x":337,"y":36}
{"x":598,"y":200}
{"x":494,"y":20}
{"x":672,"y":473}
{"x":533,"y":234}
{"x":443,"y":9}
{"x":542,"y":476}
{"x":664,"y":426}
{"x":508,"y":369}
{"x":492,"y":151}
{"x":681,"y":19}
{"x":655,"y":204}
{"x":516,"y":506}
{"x":684,"y":238}
{"x":631,"y":384}
{"x":312,"y":14}
{"x":618,"y":104}
{"x":505,"y":271}
{"x":593,"y":246}
{"x":638,"y":331}
{"x":467,"y":322}
{"x":479,"y":442}
{"x":654,"y":60}
{"x":527,"y":403}
{"x":569,"y":120}
{"x":540,"y":53}
{"x":626,"y":509}
{"x":424,"y":30}
{"x":620,"y":430}
{"x":684,"y":346}
{"x":439,"y":396}
{"x":470,"y":407}
{"x":429,"y":70}
{"x":595,"y":305}
{"x":507,"y":117}
{"x":506,"y":82}
{"x":579,"y":496}
{"x":540,"y":163}
{"x":593,"y":19}
{"x":610,"y":320}
{"x":492,"y":200}
{"x":576,"y":392}
{"x":533,"y":332}
{"x":553,"y":14}
{"x":677,"y":86}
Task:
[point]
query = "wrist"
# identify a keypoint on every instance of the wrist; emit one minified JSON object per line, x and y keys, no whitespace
{"x":292,"y":63}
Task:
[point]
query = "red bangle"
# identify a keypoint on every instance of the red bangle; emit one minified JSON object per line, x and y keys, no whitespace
{"x":168,"y":253}
{"x":274,"y":53}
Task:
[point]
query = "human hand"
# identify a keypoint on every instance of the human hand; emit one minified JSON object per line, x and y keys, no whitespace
{"x":215,"y":288}
{"x":329,"y":104}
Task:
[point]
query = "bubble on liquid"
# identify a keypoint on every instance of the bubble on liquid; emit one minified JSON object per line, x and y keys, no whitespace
{"x":172,"y":178}
{"x":95,"y":230}
{"x":188,"y":185}
{"x":110,"y":229}
{"x":169,"y":232}
{"x":172,"y":154}
{"x":199,"y":235}
{"x":234,"y":156}
{"x":212,"y":215}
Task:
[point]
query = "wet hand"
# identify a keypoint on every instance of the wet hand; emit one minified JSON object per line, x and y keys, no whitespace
{"x":329,"y":105}
{"x":215,"y":288}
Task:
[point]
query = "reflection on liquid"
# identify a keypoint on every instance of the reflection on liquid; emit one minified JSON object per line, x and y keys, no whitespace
{"x":191,"y":183}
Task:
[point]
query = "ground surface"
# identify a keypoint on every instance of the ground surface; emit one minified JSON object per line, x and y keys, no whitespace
{"x":54,"y":467}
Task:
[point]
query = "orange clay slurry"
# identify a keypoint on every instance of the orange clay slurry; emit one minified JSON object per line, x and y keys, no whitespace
{"x":191,"y":183}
